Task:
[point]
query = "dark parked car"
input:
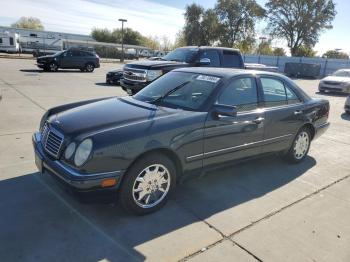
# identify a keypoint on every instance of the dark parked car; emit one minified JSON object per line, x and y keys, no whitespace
{"x":139,"y":74}
{"x":70,"y":59}
{"x":113,"y":77}
{"x":188,"y":120}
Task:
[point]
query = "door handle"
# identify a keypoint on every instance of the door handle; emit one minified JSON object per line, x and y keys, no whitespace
{"x":258,"y":120}
{"x":298,"y":112}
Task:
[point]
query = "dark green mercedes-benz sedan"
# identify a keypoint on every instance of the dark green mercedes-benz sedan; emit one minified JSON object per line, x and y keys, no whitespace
{"x":184,"y":122}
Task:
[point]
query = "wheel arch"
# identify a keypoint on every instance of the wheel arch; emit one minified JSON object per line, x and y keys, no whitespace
{"x":312,"y":129}
{"x":165,"y":151}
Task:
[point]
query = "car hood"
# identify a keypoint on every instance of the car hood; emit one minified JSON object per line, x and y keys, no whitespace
{"x":336,"y":79}
{"x":46,"y":57}
{"x":106,"y":114}
{"x":154,"y":64}
{"x":116,"y":71}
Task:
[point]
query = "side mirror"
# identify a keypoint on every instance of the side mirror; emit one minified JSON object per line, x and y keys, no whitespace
{"x":204,"y":61}
{"x":224,"y":110}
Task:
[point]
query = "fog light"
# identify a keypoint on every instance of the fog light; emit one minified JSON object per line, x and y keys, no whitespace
{"x":108,"y":182}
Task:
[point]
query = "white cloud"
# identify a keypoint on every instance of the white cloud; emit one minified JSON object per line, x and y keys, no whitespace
{"x":79,"y":16}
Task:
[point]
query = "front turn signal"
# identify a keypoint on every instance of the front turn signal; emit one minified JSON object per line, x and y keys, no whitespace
{"x":108,"y":182}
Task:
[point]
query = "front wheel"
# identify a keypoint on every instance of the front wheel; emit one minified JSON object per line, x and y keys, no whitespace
{"x":148,"y":184}
{"x":53,"y":67}
{"x":300,"y":146}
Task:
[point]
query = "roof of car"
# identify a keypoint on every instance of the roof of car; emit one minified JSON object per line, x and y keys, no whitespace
{"x":212,"y":47}
{"x":224,"y":72}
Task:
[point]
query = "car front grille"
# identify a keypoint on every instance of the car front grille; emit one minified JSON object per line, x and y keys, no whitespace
{"x":134,"y":75}
{"x":51,"y":140}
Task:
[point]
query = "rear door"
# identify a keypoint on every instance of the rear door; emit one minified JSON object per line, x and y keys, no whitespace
{"x":283,"y":113}
{"x":227,"y":137}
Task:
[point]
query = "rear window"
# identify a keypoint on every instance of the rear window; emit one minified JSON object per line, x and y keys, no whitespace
{"x":231,"y":59}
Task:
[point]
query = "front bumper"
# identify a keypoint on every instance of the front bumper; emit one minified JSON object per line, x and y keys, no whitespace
{"x":132,"y":86}
{"x":113,"y":78}
{"x":332,"y":88}
{"x":40,"y":65}
{"x":74,"y":180}
{"x":321,"y":129}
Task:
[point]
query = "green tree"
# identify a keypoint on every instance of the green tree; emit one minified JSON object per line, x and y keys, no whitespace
{"x":131,"y":37}
{"x":238,"y":18}
{"x":305,"y":51}
{"x":29,"y":23}
{"x":180,"y":39}
{"x":265,"y":48}
{"x":102,"y":35}
{"x":335,"y":54}
{"x":210,"y":28}
{"x":246,"y":46}
{"x":299,"y":22}
{"x":279,"y":51}
{"x":192,"y":29}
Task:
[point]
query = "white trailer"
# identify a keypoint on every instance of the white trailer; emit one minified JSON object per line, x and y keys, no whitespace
{"x":43,"y":44}
{"x":9,"y":42}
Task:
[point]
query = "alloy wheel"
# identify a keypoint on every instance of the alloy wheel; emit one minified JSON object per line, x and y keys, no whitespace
{"x":301,"y":145}
{"x":151,"y":186}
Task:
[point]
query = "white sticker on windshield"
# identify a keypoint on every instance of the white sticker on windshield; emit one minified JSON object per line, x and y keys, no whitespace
{"x":212,"y":79}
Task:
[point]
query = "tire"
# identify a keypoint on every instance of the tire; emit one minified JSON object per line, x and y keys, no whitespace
{"x":53,"y":67}
{"x":89,"y":67}
{"x":300,"y":147}
{"x":139,"y":193}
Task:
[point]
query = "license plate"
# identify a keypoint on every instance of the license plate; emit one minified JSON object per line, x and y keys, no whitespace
{"x":39,"y":163}
{"x":129,"y":91}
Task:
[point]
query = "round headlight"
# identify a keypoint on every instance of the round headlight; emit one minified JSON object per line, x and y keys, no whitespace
{"x":69,"y":150}
{"x":83,"y":152}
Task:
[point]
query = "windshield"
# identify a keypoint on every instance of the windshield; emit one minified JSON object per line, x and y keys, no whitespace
{"x":181,"y":55}
{"x":191,"y":90}
{"x":342,"y":73}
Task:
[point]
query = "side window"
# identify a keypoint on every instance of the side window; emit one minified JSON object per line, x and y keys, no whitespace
{"x":241,"y":93}
{"x":0,"y":40}
{"x":274,"y":92}
{"x":75,"y":53}
{"x":291,"y":96}
{"x":11,"y":40}
{"x":213,"y":55}
{"x":231,"y":59}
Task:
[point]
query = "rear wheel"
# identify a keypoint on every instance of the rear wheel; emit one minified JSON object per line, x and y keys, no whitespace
{"x":89,"y":67}
{"x":148,"y":184}
{"x":300,"y":146}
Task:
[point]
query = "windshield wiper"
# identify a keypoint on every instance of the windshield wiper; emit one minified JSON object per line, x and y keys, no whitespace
{"x":159,"y":99}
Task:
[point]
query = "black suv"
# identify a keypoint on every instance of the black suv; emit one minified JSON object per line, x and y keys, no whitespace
{"x":70,"y":59}
{"x":137,"y":75}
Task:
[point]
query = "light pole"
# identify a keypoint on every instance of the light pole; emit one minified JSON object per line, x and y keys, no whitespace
{"x":122,"y":20}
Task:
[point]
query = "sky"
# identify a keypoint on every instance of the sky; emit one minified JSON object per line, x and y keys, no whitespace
{"x":149,"y":17}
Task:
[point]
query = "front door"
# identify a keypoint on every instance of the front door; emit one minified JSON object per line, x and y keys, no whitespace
{"x":232,"y":137}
